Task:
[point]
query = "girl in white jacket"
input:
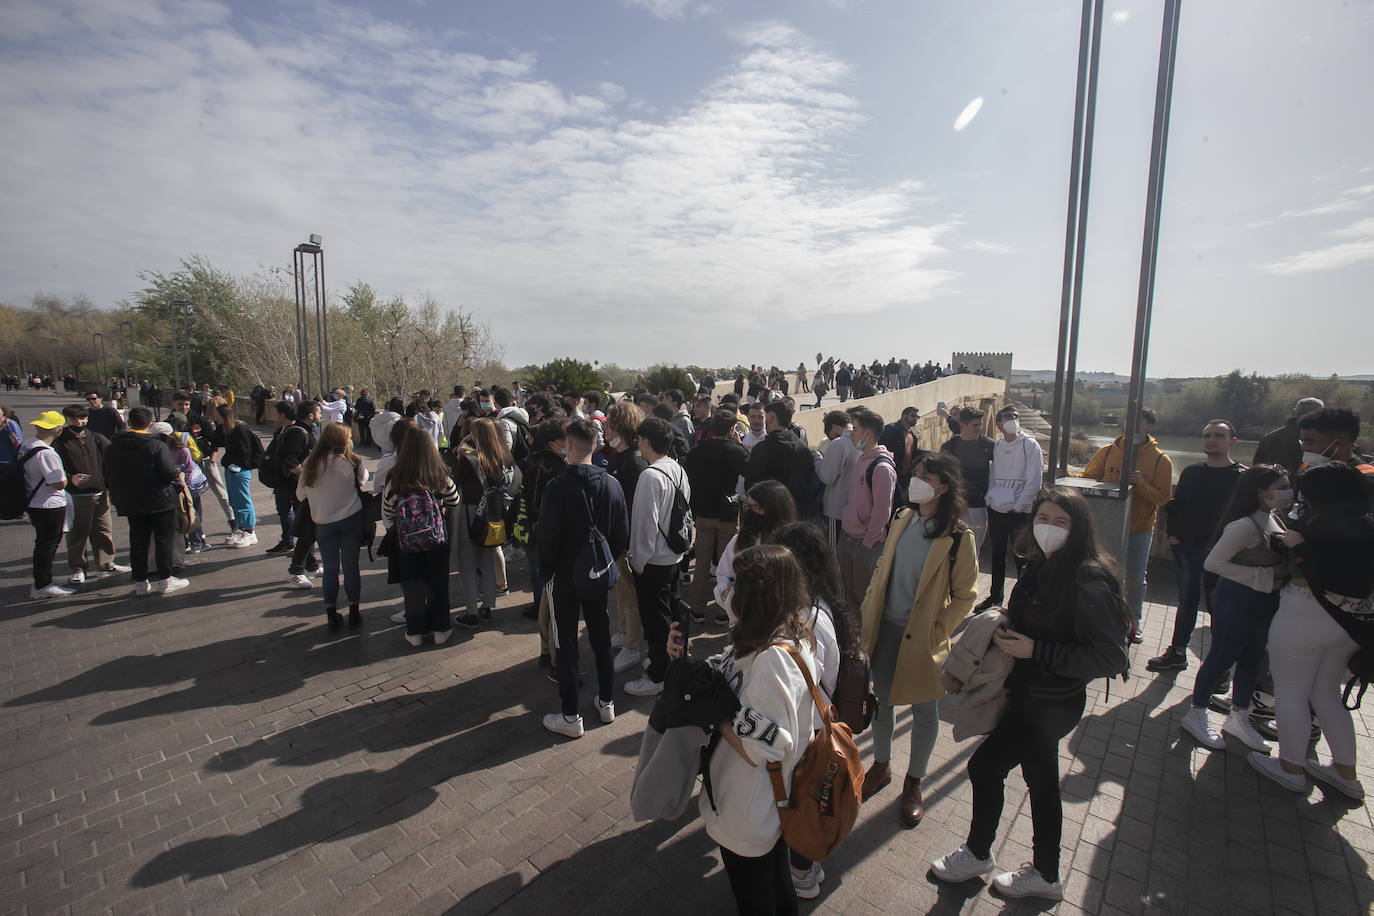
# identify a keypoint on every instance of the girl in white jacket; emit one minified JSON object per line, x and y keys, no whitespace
{"x":773,"y":724}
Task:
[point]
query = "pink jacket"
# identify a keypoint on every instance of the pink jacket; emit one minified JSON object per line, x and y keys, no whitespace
{"x":867,"y":512}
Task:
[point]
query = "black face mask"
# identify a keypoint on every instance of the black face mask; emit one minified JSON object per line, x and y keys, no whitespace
{"x":752,"y":527}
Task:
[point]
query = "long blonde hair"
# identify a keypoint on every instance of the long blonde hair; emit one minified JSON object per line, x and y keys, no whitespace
{"x":335,"y":439}
{"x":492,"y":454}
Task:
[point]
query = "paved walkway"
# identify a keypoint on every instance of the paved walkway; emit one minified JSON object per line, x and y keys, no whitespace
{"x":217,"y":750}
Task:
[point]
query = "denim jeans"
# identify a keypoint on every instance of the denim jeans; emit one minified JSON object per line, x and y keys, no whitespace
{"x":238,"y":483}
{"x":1188,"y":570}
{"x":339,"y":545}
{"x":1137,"y":560}
{"x":1240,"y":631}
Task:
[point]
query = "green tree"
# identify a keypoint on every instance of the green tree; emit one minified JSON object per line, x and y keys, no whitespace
{"x":565,"y":374}
{"x":658,"y":379}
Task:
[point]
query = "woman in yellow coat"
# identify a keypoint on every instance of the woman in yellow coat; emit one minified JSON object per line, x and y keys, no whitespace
{"x":916,"y":598}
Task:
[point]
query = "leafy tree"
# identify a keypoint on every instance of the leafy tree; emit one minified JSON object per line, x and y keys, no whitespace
{"x":565,"y":374}
{"x":658,"y":379}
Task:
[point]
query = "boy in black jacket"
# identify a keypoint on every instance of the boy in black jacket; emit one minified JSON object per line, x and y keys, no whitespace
{"x":581,"y":492}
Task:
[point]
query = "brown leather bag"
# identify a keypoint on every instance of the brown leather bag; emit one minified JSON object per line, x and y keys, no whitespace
{"x":826,"y":783}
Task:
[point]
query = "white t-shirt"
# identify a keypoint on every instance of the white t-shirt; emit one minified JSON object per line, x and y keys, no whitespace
{"x":41,"y":470}
{"x":334,"y":495}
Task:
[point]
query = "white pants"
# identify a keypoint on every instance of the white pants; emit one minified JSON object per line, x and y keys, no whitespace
{"x":1308,"y":652}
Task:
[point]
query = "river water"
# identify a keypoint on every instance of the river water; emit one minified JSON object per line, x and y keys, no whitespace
{"x":1182,"y":450}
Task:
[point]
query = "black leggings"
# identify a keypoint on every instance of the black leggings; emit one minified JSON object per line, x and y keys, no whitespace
{"x":1028,"y":736}
{"x":762,"y":885}
{"x":47,"y":535}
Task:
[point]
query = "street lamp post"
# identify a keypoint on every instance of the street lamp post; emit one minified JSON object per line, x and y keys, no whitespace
{"x":315,"y":249}
{"x":52,"y":352}
{"x":126,"y":328}
{"x":173,"y":307}
{"x":187,"y":309}
{"x":101,"y":352}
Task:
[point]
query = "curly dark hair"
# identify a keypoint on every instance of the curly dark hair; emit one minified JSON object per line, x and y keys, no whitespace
{"x":769,"y":596}
{"x":807,"y":542}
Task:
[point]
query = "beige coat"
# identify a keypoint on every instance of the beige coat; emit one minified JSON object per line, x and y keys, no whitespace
{"x":925,"y":643}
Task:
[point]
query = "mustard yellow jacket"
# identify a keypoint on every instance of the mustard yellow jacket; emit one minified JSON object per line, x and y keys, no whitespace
{"x":938,"y":609}
{"x":1148,"y":495}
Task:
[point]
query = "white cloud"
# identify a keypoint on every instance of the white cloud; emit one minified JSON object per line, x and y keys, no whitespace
{"x":1360,"y":247}
{"x":1121,"y":17}
{"x":989,"y":247}
{"x":674,"y":10}
{"x":172,"y":129}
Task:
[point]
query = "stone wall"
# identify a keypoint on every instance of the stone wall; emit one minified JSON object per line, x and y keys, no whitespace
{"x":955,"y":390}
{"x":999,"y":363}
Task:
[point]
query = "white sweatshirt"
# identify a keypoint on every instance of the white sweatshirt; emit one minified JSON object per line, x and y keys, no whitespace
{"x":1239,"y":535}
{"x":1017,"y":472}
{"x":773,"y":723}
{"x":650,"y":514}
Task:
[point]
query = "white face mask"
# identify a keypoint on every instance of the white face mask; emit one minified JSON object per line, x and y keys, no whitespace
{"x":919,"y":492}
{"x":1011,"y":427}
{"x":1315,"y":459}
{"x":1280,"y":499}
{"x":1050,"y":537}
{"x":615,"y":443}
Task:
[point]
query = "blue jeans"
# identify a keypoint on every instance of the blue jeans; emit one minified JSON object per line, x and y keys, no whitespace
{"x":339,"y":545}
{"x":1137,"y":560}
{"x":1240,"y":632}
{"x":925,"y":717}
{"x":237,"y":483}
{"x":1188,"y":570}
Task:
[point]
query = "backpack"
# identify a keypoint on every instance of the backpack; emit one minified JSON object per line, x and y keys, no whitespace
{"x":255,"y":451}
{"x":678,"y":534}
{"x":419,"y":522}
{"x":826,"y":784}
{"x":269,"y":470}
{"x":522,"y":439}
{"x":594,"y":569}
{"x":489,"y":516}
{"x":14,"y":491}
{"x":854,"y":698}
{"x":806,"y":487}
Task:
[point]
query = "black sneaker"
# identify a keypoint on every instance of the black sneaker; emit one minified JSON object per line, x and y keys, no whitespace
{"x":484,"y":613}
{"x":281,"y":547}
{"x":723,"y":618}
{"x":1173,"y":659}
{"x":988,"y":602}
{"x":469,"y":621}
{"x":532,"y":612}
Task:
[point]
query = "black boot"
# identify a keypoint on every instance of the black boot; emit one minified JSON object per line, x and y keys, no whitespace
{"x":355,"y":616}
{"x":333,"y":618}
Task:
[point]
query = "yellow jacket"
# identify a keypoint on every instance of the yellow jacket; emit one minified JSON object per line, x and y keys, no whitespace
{"x":1152,"y":492}
{"x":938,"y":609}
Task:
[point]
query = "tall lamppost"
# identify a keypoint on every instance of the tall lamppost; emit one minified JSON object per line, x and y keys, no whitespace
{"x":174,"y":306}
{"x":101,"y":351}
{"x":187,"y":309}
{"x":52,"y":352}
{"x":315,"y":249}
{"x":126,"y":328}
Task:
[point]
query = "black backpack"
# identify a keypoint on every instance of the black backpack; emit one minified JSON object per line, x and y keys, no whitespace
{"x":678,"y":534}
{"x":269,"y":468}
{"x":14,"y":492}
{"x":594,"y":569}
{"x":522,"y":441}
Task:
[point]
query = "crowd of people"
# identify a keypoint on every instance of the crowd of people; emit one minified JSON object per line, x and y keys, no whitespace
{"x":689,"y":511}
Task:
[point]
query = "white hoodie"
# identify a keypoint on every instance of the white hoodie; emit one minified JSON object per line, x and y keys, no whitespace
{"x":1017,"y":472}
{"x":774,"y":723}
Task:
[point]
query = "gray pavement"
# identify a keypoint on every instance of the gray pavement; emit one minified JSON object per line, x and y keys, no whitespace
{"x":218,"y":751}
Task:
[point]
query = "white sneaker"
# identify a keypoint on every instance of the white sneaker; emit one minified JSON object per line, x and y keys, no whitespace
{"x":115,"y":568}
{"x":1196,"y":723}
{"x":807,"y":883}
{"x":77,"y":577}
{"x":398,"y":617}
{"x":142,"y":588}
{"x":415,"y":639}
{"x":606,"y":709}
{"x":557,"y":723}
{"x":235,"y":539}
{"x":51,"y":590}
{"x":961,"y":865}
{"x":1238,"y":726}
{"x":441,"y":636}
{"x":249,"y":538}
{"x":169,"y":584}
{"x":644,"y":687}
{"x":647,"y":662}
{"x":301,"y":580}
{"x":1027,"y":882}
{"x":1326,"y":774}
{"x":1270,"y":767}
{"x":626,"y":659}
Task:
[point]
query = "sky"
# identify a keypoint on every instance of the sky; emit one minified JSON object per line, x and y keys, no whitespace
{"x":712,"y":182}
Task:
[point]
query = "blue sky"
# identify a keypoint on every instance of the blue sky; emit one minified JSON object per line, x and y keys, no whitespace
{"x":711,"y":182}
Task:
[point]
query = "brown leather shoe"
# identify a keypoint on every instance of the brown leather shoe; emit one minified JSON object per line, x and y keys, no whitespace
{"x":878,"y":775}
{"x":912,"y":808}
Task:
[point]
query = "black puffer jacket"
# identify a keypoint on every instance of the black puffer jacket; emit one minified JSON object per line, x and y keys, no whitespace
{"x":139,"y":474}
